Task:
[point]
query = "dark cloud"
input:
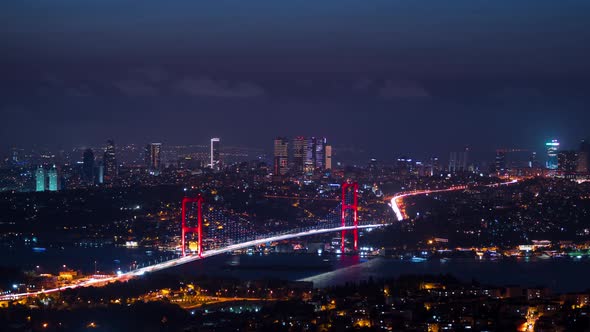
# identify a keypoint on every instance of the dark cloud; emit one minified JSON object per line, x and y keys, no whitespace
{"x":207,"y":87}
{"x":402,"y":89}
{"x":136,"y":88}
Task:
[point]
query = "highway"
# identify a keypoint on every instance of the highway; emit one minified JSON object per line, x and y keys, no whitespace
{"x":401,"y":215}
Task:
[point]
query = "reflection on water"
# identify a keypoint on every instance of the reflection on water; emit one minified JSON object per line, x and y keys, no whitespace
{"x":559,"y":275}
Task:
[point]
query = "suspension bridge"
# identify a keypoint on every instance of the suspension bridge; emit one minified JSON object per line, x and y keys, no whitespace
{"x":220,"y":242}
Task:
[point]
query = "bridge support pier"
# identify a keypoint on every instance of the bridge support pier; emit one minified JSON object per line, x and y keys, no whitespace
{"x":346,"y":188}
{"x":186,"y":229}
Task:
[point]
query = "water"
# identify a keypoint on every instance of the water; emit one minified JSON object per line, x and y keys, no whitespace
{"x":52,"y":259}
{"x":561,"y":275}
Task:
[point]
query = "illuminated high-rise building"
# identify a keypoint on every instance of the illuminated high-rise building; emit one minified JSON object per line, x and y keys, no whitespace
{"x":152,"y":157}
{"x":281,"y":156}
{"x":308,"y":162}
{"x":88,"y":166}
{"x":309,"y":154}
{"x":299,"y":144}
{"x":533,"y":161}
{"x":52,"y":178}
{"x":328,"y":157}
{"x":552,"y":151}
{"x":500,"y":165}
{"x":434,"y":166}
{"x":567,"y":162}
{"x":40,"y":179}
{"x":458,"y":161}
{"x":319,"y":157}
{"x":99,"y":174}
{"x":110,"y":162}
{"x":215,"y":162}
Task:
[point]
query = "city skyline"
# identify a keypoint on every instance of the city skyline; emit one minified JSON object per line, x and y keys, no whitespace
{"x":265,"y":165}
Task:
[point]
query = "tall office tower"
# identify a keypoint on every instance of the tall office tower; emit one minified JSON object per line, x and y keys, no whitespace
{"x":552,"y":150}
{"x":281,"y":156}
{"x":100,"y":173}
{"x":40,"y":179}
{"x":567,"y":162}
{"x":500,"y":164}
{"x":215,"y":154}
{"x":52,"y":176}
{"x":584,"y":158}
{"x":110,"y":161}
{"x":308,"y":162}
{"x":152,"y":157}
{"x":533,"y":161}
{"x":88,"y":166}
{"x":458,"y":161}
{"x":299,"y":144}
{"x":434,"y":166}
{"x":328,"y":157}
{"x":319,"y":157}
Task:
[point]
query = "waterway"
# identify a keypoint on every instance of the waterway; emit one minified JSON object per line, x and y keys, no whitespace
{"x":561,"y":275}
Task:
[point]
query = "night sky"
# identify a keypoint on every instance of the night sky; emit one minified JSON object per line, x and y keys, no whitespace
{"x":389,"y":76}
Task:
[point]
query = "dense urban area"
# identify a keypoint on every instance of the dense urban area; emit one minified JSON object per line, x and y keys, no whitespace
{"x":91,"y":216}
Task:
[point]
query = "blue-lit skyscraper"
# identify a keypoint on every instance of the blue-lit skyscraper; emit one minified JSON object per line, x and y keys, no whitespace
{"x":552,"y":152}
{"x":52,"y":176}
{"x":40,"y":179}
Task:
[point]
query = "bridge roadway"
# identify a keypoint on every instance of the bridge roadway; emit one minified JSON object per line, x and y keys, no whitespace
{"x":214,"y":252}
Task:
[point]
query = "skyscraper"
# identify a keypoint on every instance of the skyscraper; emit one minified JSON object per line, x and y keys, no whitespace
{"x":110,"y":162}
{"x":215,"y":163}
{"x":567,"y":162}
{"x":152,"y":157}
{"x":52,"y":176}
{"x":40,"y":179}
{"x":281,"y":156}
{"x":552,"y":150}
{"x":500,"y":165}
{"x":309,"y":154}
{"x":299,"y":144}
{"x":458,"y":161}
{"x":533,"y":161}
{"x":328,"y":157}
{"x":308,"y":162}
{"x":319,"y":158}
{"x":88,"y":166}
{"x":434,"y":166}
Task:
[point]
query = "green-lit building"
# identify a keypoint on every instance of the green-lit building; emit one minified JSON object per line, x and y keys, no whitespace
{"x":40,"y":179}
{"x":52,"y":176}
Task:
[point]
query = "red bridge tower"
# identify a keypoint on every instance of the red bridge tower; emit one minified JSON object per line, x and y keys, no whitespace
{"x":198,"y":229}
{"x":348,"y":187}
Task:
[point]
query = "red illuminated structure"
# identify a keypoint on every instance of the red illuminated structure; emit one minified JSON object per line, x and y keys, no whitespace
{"x":198,"y":229}
{"x":346,"y":188}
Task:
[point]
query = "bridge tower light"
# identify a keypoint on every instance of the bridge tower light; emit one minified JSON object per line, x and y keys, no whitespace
{"x":186,"y":229}
{"x":346,"y":186}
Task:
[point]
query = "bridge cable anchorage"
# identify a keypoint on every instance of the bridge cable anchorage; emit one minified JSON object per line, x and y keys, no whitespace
{"x":350,"y":187}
